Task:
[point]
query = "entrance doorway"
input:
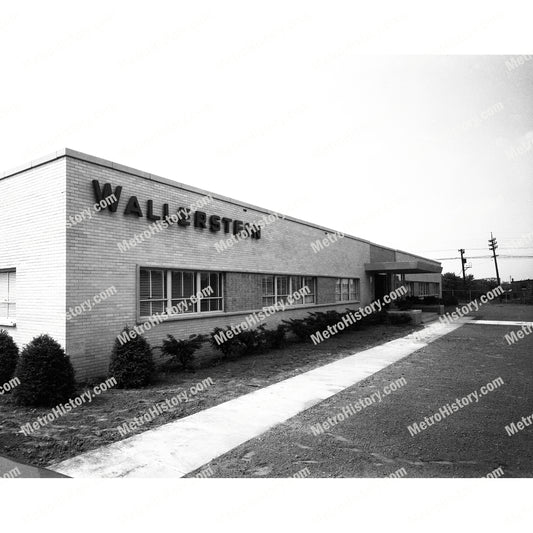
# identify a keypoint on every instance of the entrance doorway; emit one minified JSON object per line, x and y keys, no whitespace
{"x":380,"y":286}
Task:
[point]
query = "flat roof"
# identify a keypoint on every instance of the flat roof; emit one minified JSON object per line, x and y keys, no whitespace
{"x":74,"y":154}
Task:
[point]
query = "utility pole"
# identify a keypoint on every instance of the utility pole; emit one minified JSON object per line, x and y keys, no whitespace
{"x":463,"y":261}
{"x":493,"y":244}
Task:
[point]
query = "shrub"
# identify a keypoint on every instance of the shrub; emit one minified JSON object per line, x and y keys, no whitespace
{"x":274,"y":338}
{"x":253,"y":340}
{"x":301,"y":327}
{"x":233,"y":347}
{"x":132,"y":363}
{"x":375,"y":318}
{"x":181,"y":351}
{"x":46,"y":374}
{"x":9,"y":354}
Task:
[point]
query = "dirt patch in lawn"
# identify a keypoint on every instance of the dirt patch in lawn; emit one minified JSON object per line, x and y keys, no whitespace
{"x":95,"y":424}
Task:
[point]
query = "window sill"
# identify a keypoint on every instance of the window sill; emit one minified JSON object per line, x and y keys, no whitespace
{"x":6,"y":322}
{"x":184,"y":316}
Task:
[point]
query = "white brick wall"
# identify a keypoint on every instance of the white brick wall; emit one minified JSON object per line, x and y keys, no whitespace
{"x":33,"y":240}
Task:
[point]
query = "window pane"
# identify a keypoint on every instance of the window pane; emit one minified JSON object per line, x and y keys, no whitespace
{"x":297,"y":283}
{"x":268,"y":300}
{"x":12,"y":282}
{"x":214,"y":282}
{"x":157,"y":283}
{"x":4,"y":284}
{"x":158,"y":307}
{"x":282,"y":286}
{"x":177,"y":284}
{"x":145,"y":309}
{"x":188,"y":284}
{"x":267,"y":284}
{"x":145,"y":284}
{"x":215,"y":304}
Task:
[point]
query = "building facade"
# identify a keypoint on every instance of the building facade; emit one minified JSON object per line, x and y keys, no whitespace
{"x":88,"y":247}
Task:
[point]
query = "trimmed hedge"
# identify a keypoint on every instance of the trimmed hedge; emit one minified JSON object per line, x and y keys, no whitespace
{"x":132,"y":363}
{"x":9,"y":354}
{"x":45,"y":373}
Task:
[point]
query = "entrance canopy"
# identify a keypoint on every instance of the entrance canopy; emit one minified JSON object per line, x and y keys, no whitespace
{"x":403,"y":267}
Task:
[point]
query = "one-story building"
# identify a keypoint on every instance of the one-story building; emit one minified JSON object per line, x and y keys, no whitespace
{"x":88,"y":246}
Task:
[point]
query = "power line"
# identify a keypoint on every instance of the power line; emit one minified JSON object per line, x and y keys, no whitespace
{"x":501,"y":256}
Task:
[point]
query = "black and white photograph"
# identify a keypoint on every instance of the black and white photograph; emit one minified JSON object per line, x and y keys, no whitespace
{"x":266,"y":265}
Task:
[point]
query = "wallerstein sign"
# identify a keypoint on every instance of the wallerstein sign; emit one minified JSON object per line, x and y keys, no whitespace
{"x":184,"y":216}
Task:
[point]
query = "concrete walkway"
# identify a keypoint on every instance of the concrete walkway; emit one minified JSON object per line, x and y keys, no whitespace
{"x":180,"y":447}
{"x":502,"y":323}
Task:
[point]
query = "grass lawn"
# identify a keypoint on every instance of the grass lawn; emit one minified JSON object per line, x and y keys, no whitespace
{"x":95,"y":424}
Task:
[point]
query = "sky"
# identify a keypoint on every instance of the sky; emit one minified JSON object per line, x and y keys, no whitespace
{"x":417,"y":136}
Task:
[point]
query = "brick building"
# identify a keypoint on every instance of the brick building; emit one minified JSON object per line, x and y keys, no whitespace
{"x":81,"y":273}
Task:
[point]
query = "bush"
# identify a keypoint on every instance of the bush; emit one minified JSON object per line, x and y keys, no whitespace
{"x":181,"y":352}
{"x":274,"y":338}
{"x":233,"y":347}
{"x":253,"y":340}
{"x":9,"y":354}
{"x":246,"y":342}
{"x":301,"y":327}
{"x":45,"y":373}
{"x":132,"y":363}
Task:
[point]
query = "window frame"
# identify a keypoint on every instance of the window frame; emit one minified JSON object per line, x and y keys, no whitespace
{"x":10,"y":319}
{"x":168,"y":296}
{"x":343,"y":287}
{"x":268,"y":300}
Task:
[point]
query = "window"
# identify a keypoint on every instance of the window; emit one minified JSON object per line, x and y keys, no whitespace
{"x":410,"y":286}
{"x":347,"y":289}
{"x":423,"y":288}
{"x":170,"y":291}
{"x":309,"y":282}
{"x":282,"y":288}
{"x":152,"y":292}
{"x":269,"y":294}
{"x":212,"y":302}
{"x":278,"y":288}
{"x":183,"y":286}
{"x":8,"y":304}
